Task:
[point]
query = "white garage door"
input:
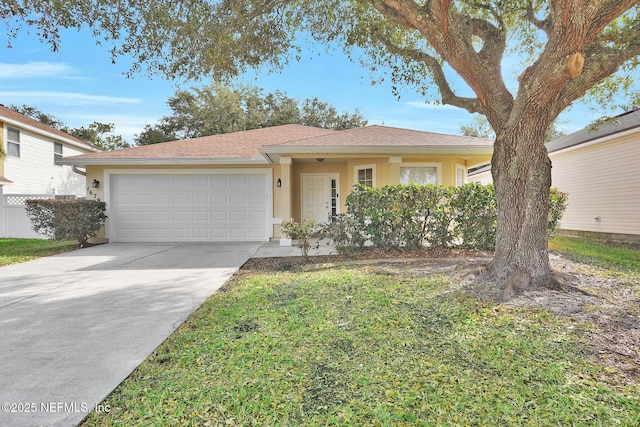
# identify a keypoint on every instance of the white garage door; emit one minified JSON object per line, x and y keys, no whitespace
{"x":189,"y":208}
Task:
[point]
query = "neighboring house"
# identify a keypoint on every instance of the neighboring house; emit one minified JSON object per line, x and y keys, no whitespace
{"x":600,"y":169}
{"x":30,"y":167}
{"x":241,"y":186}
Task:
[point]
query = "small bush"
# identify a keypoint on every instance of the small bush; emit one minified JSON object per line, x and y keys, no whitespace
{"x":302,"y":232}
{"x":67,"y":219}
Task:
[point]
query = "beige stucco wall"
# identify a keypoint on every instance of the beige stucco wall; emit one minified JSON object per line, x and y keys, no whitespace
{"x":387,"y":172}
{"x":287,"y":200}
{"x":602,"y":182}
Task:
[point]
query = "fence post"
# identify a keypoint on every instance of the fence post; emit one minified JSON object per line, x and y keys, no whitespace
{"x":3,"y":216}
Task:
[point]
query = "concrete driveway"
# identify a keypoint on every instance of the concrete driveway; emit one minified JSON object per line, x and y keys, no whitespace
{"x":73,"y":326}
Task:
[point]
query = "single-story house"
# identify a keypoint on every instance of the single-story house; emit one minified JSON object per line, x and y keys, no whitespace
{"x":241,"y":186}
{"x":600,"y":170}
{"x":31,"y":168}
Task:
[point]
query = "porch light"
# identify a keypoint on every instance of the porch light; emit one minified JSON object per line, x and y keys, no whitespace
{"x":95,"y":183}
{"x":279,"y":183}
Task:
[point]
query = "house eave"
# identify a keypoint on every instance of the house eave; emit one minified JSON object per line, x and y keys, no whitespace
{"x":161,"y":162}
{"x":274,"y":152}
{"x":594,"y":141}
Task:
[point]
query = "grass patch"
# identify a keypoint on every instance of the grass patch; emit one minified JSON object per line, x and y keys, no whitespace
{"x":354,"y":347}
{"x":13,"y":251}
{"x":601,"y":254}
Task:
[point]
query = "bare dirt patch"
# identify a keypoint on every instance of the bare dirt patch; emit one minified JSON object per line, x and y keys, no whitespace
{"x":602,"y":306}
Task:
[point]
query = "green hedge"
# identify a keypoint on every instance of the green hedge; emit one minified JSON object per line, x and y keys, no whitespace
{"x":413,"y":216}
{"x":67,"y":219}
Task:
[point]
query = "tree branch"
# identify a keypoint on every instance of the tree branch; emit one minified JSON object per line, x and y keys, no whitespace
{"x":392,"y":12}
{"x":601,"y":61}
{"x":541,"y":24}
{"x":447,"y":95}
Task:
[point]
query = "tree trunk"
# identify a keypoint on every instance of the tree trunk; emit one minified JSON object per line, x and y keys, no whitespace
{"x":522,"y":176}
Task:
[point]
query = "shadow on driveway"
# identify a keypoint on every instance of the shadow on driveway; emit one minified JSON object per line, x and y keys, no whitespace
{"x":73,"y":326}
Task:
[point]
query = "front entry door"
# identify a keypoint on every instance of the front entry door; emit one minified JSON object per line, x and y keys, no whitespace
{"x":316,"y":197}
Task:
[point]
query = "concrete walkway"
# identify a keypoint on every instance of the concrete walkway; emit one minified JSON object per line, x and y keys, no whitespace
{"x":73,"y":326}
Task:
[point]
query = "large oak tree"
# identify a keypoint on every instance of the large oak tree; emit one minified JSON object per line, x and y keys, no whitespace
{"x":569,"y":48}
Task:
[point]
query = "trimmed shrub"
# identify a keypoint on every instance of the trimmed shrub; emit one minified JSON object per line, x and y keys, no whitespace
{"x":67,"y":219}
{"x":413,"y":216}
{"x":474,"y":215}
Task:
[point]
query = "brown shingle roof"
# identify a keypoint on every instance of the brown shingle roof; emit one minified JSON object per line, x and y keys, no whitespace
{"x":237,"y":145}
{"x":21,"y":118}
{"x":384,"y":136}
{"x":248,"y":145}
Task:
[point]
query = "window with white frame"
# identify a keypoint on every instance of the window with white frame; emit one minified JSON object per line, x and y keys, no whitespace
{"x":57,"y":153}
{"x":366,"y":175}
{"x":420,"y":173}
{"x":461,"y":175}
{"x":13,"y":142}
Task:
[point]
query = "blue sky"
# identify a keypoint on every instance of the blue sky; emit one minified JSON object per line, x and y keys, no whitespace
{"x":79,"y":85}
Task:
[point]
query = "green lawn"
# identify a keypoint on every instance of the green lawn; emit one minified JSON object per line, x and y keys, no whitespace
{"x":13,"y":251}
{"x":625,"y":258}
{"x":368,"y":347}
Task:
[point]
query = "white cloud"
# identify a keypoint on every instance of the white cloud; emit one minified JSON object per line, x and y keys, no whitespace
{"x":426,"y":106}
{"x":36,"y":69}
{"x":65,"y":98}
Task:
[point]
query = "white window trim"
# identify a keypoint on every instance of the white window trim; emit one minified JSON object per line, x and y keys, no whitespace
{"x":55,"y":154}
{"x":464,"y":174}
{"x":358,"y":168}
{"x":437,"y":165}
{"x":13,"y":142}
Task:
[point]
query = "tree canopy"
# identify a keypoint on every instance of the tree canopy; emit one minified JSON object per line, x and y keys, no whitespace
{"x":214,"y":109}
{"x":568,"y":49}
{"x":98,"y":134}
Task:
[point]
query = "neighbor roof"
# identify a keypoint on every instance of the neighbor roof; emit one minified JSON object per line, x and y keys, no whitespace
{"x":621,"y":123}
{"x":253,"y":146}
{"x":11,"y":117}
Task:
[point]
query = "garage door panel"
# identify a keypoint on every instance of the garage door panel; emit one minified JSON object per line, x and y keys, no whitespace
{"x":200,"y":199}
{"x":180,"y":199}
{"x":257,"y":215}
{"x":201,"y":216}
{"x":219,"y":199}
{"x":161,"y":216}
{"x":219,"y":216}
{"x":216,"y":207}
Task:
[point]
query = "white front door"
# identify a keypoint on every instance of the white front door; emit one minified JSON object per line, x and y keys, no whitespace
{"x":316,"y":196}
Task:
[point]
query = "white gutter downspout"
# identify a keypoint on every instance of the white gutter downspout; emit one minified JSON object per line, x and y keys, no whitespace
{"x":78,"y":171}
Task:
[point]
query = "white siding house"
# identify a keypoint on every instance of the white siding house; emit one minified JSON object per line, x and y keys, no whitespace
{"x":600,"y":170}
{"x":29,"y":168}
